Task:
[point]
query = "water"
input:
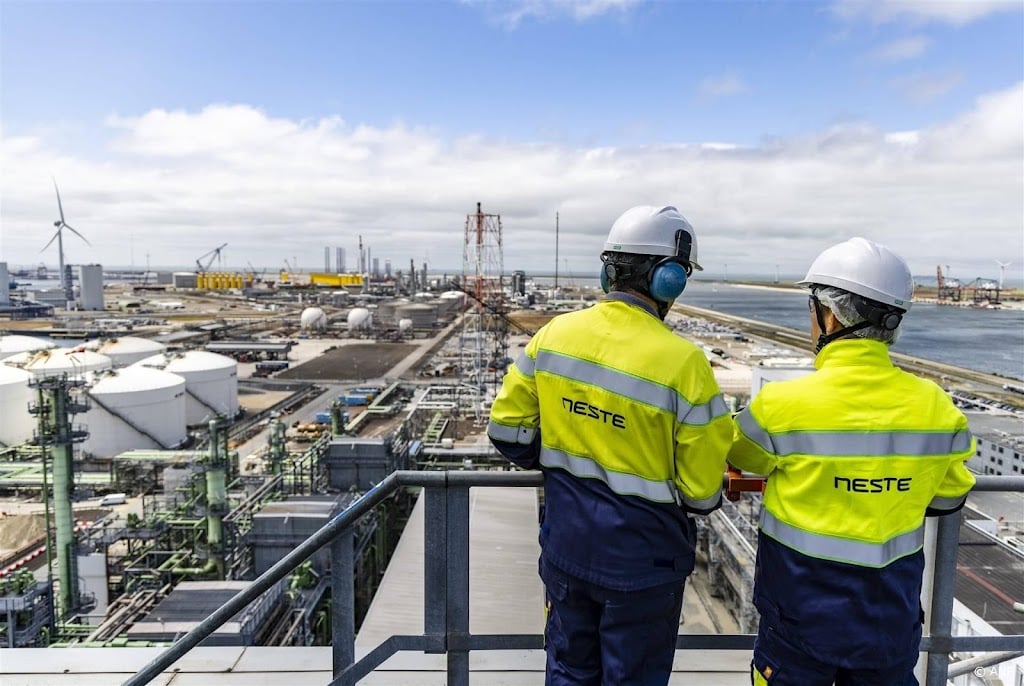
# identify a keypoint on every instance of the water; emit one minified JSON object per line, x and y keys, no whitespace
{"x":984,"y":340}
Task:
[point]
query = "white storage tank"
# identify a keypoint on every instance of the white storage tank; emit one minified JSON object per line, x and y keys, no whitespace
{"x":210,"y":379}
{"x":16,"y":424}
{"x":14,"y":344}
{"x":75,"y":362}
{"x":134,"y":408}
{"x":422,"y":315}
{"x":359,"y":318}
{"x":126,"y":350}
{"x":404,"y":325}
{"x":90,"y":286}
{"x":386,"y":311}
{"x":312,"y":319}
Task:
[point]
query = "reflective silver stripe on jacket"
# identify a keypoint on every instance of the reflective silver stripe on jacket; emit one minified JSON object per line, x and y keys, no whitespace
{"x":633,"y":387}
{"x":939,"y":503}
{"x":524,"y":363}
{"x":621,"y":483}
{"x":511,"y":434}
{"x":704,"y":504}
{"x":842,"y":549}
{"x":853,"y":443}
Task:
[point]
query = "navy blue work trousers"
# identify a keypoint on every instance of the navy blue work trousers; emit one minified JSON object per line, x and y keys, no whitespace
{"x":779,"y":661}
{"x":596,"y":636}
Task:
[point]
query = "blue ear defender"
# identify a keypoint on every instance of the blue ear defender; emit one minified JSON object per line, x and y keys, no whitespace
{"x":667,"y":280}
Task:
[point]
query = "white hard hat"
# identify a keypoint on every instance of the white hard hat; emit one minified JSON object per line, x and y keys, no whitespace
{"x":652,"y":230}
{"x":865,"y":268}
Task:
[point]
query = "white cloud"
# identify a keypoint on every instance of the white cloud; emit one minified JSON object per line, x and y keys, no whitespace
{"x":511,"y":13}
{"x":901,"y":50}
{"x":956,"y":12}
{"x":923,"y":88}
{"x":720,"y":86}
{"x":177,"y":184}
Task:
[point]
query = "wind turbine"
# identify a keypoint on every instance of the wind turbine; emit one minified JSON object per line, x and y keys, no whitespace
{"x":65,"y":284}
{"x":1002,"y":271}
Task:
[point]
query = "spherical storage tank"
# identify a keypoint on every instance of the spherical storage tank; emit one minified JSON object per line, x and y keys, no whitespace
{"x":404,"y":325}
{"x":211,"y":381}
{"x":127,"y":350}
{"x":359,"y":318}
{"x":312,"y":319}
{"x":16,"y":423}
{"x":74,"y":362}
{"x":12,"y":345}
{"x":134,"y":408}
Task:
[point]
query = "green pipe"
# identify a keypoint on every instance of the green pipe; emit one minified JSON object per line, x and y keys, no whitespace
{"x":216,"y":498}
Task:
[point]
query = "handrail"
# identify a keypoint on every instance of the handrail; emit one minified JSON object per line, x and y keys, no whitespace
{"x":446,"y":615}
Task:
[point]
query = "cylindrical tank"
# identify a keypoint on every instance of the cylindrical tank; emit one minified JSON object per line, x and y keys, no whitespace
{"x":386,"y":311}
{"x":211,"y":380}
{"x":16,"y":423}
{"x":126,"y":350}
{"x":71,"y":361}
{"x":14,"y":344}
{"x":312,"y":319}
{"x":422,"y":315}
{"x":359,"y":318}
{"x":134,"y":408}
{"x":404,"y":325}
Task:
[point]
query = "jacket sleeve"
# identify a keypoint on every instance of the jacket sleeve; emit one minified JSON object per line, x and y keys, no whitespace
{"x":702,"y":441}
{"x":514,"y":426}
{"x":958,"y":481}
{"x":752,"y":449}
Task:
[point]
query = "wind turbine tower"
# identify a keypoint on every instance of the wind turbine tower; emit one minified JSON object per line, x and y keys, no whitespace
{"x":65,"y":282}
{"x":1002,"y":272}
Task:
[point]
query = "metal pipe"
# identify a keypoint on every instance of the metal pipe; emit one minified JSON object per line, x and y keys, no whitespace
{"x":947,"y":536}
{"x":281,"y":569}
{"x":979,"y":662}
{"x":343,"y":603}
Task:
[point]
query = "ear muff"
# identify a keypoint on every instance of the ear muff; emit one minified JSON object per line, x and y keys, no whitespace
{"x":608,"y":275}
{"x":667,"y":280}
{"x":879,"y":315}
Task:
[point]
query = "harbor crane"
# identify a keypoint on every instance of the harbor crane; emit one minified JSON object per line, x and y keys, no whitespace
{"x":209,"y":257}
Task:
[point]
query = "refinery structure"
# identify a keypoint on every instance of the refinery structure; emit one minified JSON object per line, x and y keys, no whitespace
{"x":167,"y":439}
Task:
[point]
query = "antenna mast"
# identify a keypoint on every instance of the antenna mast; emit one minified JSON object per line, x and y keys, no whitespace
{"x":556,"y":251}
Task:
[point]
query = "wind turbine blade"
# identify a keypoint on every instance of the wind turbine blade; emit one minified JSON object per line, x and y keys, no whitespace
{"x":74,"y":231}
{"x":59,"y":206}
{"x":52,"y":239}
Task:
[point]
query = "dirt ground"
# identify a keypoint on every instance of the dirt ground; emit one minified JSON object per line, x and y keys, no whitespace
{"x":351,"y":362}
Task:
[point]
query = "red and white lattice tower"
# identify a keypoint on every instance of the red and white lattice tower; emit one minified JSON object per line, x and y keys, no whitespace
{"x":484,"y":340}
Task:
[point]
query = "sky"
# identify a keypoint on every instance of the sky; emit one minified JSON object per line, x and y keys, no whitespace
{"x":279,"y":128}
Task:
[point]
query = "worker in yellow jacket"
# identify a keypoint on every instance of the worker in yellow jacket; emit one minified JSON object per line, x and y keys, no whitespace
{"x":626,"y":421}
{"x":856,"y":454}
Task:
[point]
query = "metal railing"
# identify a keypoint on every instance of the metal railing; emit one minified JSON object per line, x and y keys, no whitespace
{"x":446,"y":586}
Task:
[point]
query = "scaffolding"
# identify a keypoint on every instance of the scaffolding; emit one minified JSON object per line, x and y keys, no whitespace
{"x":484,"y":336}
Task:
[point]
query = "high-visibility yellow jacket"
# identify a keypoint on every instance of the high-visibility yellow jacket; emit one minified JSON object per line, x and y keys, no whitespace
{"x":856,"y":455}
{"x":627,"y":422}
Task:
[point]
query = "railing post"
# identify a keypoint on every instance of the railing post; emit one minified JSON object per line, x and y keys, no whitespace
{"x":343,"y":606}
{"x":435,"y":562}
{"x":947,"y":538}
{"x":458,"y":586}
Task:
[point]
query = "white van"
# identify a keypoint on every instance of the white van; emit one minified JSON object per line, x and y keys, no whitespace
{"x":113,"y":499}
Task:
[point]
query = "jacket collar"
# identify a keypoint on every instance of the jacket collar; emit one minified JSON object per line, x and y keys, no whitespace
{"x":635,"y":301}
{"x":852,"y":352}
